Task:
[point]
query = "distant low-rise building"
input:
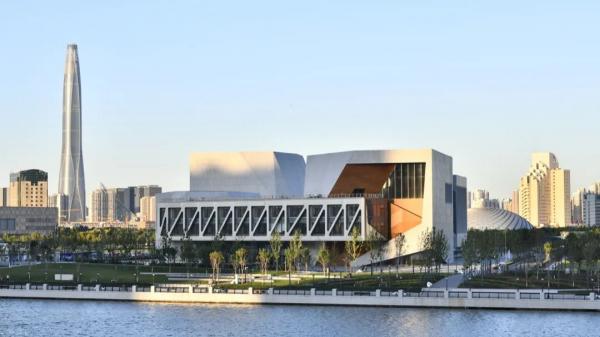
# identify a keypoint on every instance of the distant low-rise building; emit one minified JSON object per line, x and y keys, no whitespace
{"x":24,"y":220}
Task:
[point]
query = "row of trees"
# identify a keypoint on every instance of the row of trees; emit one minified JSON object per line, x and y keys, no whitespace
{"x":104,"y":242}
{"x":546,"y":250}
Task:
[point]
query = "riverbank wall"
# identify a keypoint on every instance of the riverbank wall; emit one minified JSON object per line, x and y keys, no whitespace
{"x":526,"y":299}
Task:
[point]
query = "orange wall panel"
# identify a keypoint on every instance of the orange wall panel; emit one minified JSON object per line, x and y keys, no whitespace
{"x":405,"y":214}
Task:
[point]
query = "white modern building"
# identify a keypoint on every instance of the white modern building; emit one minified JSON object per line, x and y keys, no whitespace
{"x":266,"y":174}
{"x":250,"y":195}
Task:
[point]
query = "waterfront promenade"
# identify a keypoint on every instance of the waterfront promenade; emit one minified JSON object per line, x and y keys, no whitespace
{"x":532,"y":299}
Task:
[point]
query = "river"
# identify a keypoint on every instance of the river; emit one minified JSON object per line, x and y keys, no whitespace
{"x":90,"y":318}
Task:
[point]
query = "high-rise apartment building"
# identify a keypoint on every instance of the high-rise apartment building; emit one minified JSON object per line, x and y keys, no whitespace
{"x":481,"y":199}
{"x":119,"y":204}
{"x":28,"y":188}
{"x":71,"y":181}
{"x":544,"y":193}
{"x":148,"y":212}
{"x":577,"y":206}
{"x":60,"y":202}
{"x":590,"y":206}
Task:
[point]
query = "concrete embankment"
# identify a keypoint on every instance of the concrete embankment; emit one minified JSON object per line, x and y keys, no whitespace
{"x":434,"y":298}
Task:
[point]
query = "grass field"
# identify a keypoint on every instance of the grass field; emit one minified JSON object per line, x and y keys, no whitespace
{"x":511,"y":281}
{"x":360,"y":281}
{"x":93,"y":273}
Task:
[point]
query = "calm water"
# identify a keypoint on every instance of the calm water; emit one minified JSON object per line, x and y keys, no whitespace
{"x":82,"y":318}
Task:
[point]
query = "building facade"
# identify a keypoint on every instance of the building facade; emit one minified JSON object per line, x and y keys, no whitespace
{"x":389,"y":192}
{"x":147,"y":214}
{"x":3,"y":196}
{"x":267,"y":174}
{"x":24,"y":220}
{"x":119,"y":204}
{"x":28,"y":188}
{"x":544,"y":193}
{"x":590,"y":206}
{"x":71,"y":181}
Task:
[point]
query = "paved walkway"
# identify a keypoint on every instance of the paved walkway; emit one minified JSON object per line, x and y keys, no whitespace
{"x":453,"y":281}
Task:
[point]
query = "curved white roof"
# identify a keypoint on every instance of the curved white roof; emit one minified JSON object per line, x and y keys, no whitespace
{"x":495,"y":218}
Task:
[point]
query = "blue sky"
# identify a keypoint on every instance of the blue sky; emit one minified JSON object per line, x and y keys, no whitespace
{"x":485,"y":83}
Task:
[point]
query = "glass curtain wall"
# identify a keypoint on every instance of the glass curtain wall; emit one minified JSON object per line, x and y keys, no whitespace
{"x":407,"y":181}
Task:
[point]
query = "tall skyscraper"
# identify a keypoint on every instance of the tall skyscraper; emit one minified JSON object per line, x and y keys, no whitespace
{"x":71,"y":182}
{"x":544,"y":193}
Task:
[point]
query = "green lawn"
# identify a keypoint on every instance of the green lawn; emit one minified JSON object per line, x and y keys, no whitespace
{"x":505,"y":281}
{"x":93,"y":273}
{"x":361,"y":281}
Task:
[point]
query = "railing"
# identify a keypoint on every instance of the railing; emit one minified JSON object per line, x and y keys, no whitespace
{"x":566,"y":297}
{"x":530,"y":296}
{"x":291,"y":292}
{"x":475,"y":294}
{"x":171,"y":289}
{"x":425,"y":294}
{"x":496,"y":295}
{"x":458,"y":294}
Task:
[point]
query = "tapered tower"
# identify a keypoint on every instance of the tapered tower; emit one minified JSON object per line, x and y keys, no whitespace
{"x":71,"y":182}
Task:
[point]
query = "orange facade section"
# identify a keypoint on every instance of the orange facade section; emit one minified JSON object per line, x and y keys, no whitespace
{"x":369,"y":178}
{"x":405,"y":214}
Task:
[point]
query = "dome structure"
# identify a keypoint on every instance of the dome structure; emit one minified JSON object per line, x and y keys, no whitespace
{"x":495,"y":218}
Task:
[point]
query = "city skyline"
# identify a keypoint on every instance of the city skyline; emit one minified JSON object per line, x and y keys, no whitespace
{"x":488,"y":102}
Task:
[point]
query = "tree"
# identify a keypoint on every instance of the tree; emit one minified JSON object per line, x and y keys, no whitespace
{"x":435,"y":248}
{"x":374,"y":245}
{"x":188,"y":253}
{"x":399,"y":242}
{"x":353,"y":247}
{"x":305,"y":257}
{"x":216,"y":258}
{"x":296,"y":248}
{"x":547,"y":251}
{"x":323,"y":257}
{"x":276,"y":248}
{"x":240,"y":256}
{"x":263,"y":258}
{"x":469,"y":251}
{"x":288,"y":256}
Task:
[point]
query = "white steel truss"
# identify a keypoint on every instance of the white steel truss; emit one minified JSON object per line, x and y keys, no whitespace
{"x":316,"y":219}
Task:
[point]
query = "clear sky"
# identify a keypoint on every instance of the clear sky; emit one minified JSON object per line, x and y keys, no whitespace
{"x":485,"y":83}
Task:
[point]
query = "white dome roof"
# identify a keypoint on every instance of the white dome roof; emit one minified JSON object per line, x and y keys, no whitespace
{"x":495,"y":218}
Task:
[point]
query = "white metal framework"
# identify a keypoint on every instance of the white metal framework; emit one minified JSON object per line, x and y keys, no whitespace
{"x":317,"y":219}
